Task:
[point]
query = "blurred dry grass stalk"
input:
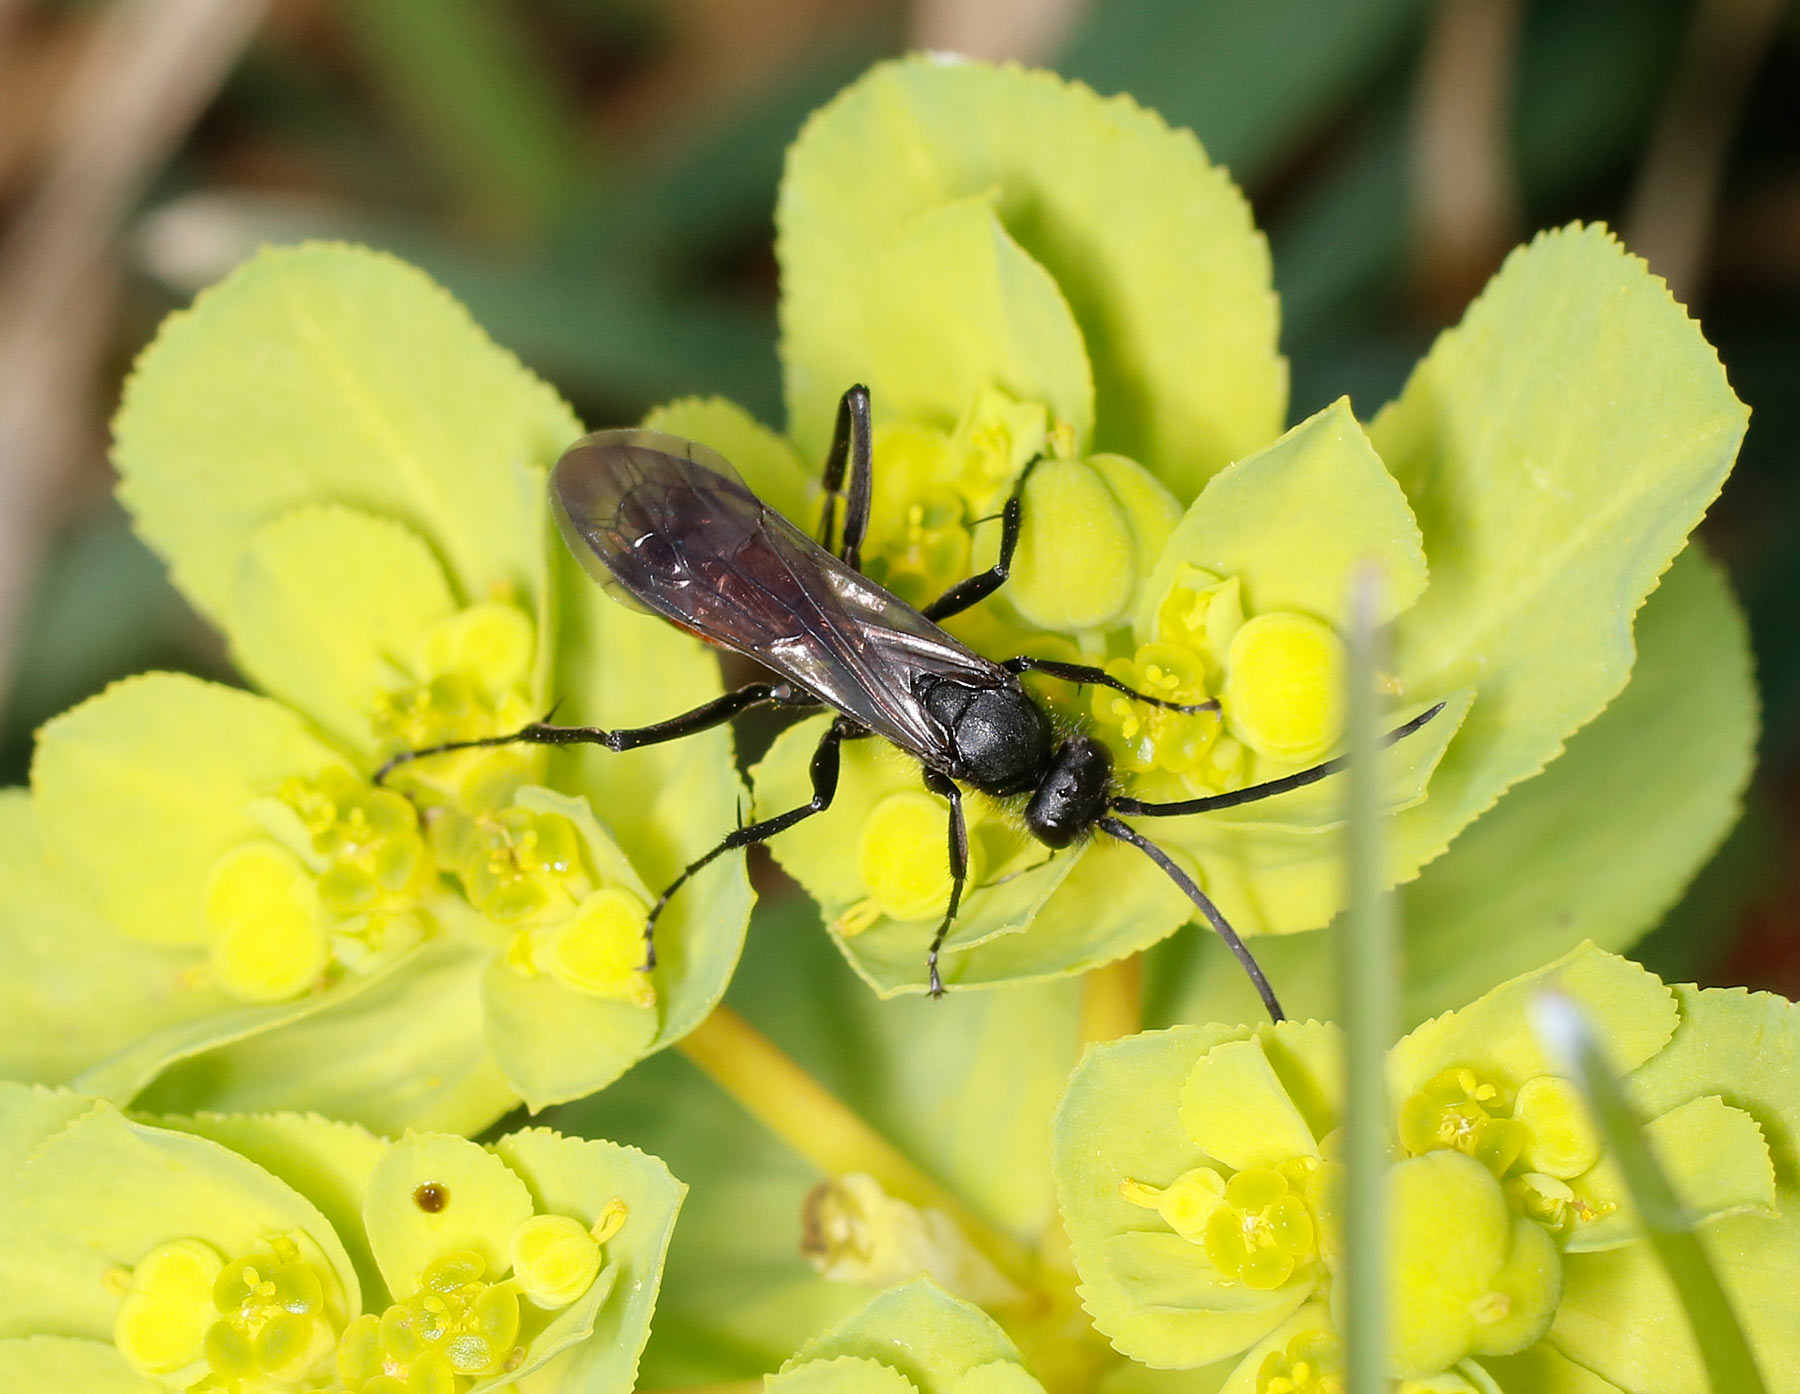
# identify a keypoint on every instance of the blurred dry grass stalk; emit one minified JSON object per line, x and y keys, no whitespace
{"x":1670,"y":218}
{"x":1029,"y":31}
{"x":144,"y":74}
{"x":1465,"y":199}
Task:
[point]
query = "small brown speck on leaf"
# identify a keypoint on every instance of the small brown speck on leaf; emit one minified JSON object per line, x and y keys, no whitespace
{"x":431,"y":1197}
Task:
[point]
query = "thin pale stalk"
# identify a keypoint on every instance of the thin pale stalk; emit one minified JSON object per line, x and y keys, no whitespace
{"x":1730,"y":1367}
{"x":1367,"y":977}
{"x":775,"y":1090}
{"x":1112,"y":1000}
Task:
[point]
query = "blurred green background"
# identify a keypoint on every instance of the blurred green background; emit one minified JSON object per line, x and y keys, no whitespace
{"x":595,"y":178}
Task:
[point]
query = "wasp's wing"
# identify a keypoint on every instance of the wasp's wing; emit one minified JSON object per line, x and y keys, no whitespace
{"x":668,"y":522}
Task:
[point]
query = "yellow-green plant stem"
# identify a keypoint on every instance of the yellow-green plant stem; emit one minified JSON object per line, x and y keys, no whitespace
{"x":805,"y":1115}
{"x":1368,"y":970}
{"x":1670,"y":1229}
{"x":1112,"y":1000}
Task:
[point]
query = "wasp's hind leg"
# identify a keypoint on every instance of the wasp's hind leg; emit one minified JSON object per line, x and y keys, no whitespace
{"x":959,"y":870}
{"x":824,"y":774}
{"x":708,"y":714}
{"x":851,"y":444}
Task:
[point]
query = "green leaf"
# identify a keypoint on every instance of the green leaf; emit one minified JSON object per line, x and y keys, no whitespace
{"x":332,"y":374}
{"x":943,"y":306}
{"x":1105,"y":902}
{"x":1155,"y":1296}
{"x":1035,"y":916}
{"x":1199,"y":1315}
{"x":28,"y":1115}
{"x":1557,"y":446}
{"x":819,"y":852}
{"x":60,"y":1362}
{"x":1631,"y":1010}
{"x":766,"y":461}
{"x":326,"y":597}
{"x":1612,"y":831}
{"x":1741,"y":1045}
{"x":38,"y":1293}
{"x":918,"y":1329}
{"x":578,"y":1177}
{"x":326,"y":1161}
{"x":1151,"y":247}
{"x":1261,"y":831}
{"x":141,"y":789}
{"x":1294,"y":521}
{"x":404,"y":1050}
{"x":73,"y":990}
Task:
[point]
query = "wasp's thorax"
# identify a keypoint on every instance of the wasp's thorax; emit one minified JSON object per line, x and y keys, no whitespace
{"x":1001,"y":738}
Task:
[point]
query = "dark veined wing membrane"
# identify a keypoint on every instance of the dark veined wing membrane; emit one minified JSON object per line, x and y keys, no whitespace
{"x":669,"y":523}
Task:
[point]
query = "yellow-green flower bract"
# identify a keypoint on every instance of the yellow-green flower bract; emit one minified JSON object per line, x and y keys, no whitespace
{"x":347,"y":477}
{"x":283,"y":1253}
{"x":1061,"y":275}
{"x":1196,"y":1176}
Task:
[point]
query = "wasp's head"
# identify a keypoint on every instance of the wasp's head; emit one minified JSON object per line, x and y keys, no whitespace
{"x":1071,"y":797}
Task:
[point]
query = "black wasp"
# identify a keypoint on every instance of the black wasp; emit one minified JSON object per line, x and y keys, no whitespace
{"x":668,"y":522}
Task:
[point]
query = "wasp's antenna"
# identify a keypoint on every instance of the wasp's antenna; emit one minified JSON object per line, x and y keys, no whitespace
{"x":1268,"y":789}
{"x":1126,"y":833}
